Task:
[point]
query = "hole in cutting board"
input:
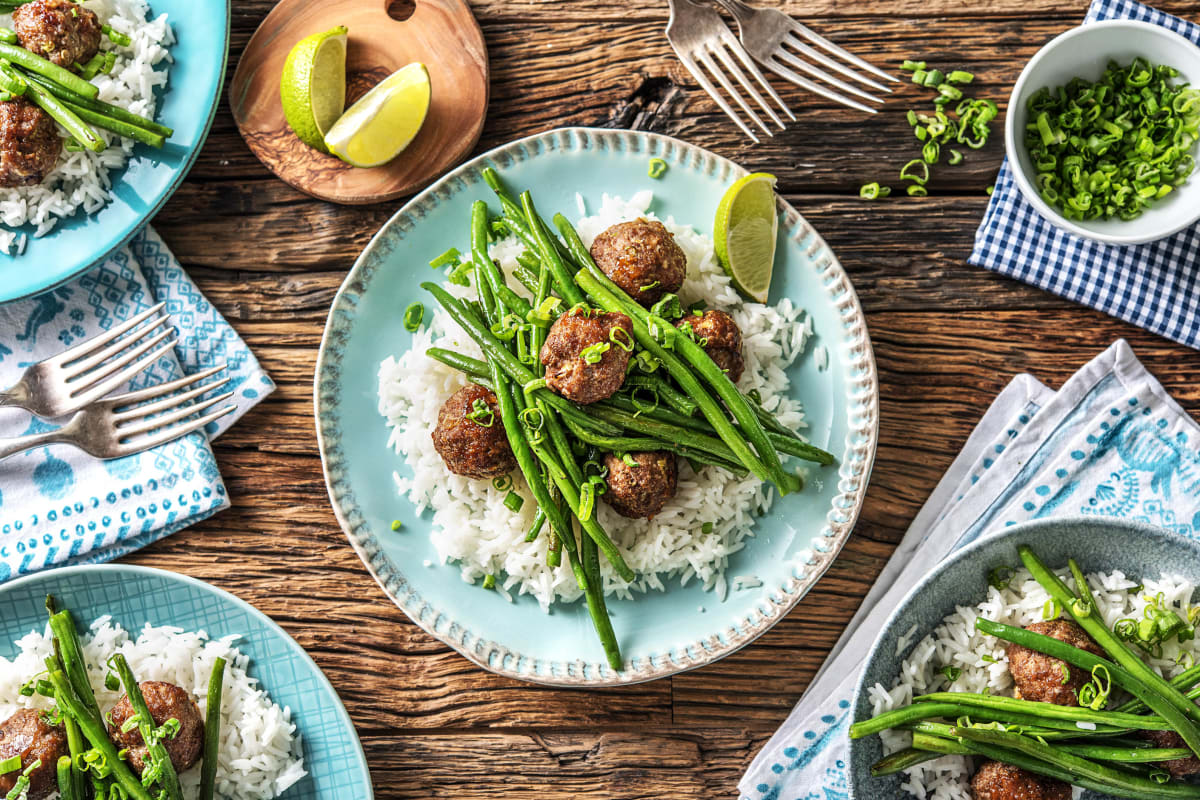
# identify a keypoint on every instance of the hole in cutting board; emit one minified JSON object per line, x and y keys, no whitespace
{"x":401,"y":9}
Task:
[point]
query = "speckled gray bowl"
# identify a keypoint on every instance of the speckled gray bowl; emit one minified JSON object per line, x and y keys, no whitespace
{"x":1098,"y":544}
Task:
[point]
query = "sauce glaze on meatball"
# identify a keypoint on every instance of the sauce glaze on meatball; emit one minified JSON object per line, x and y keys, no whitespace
{"x":640,"y":489}
{"x":165,"y":701}
{"x":29,"y":143}
{"x":58,"y":30}
{"x":642,"y":258}
{"x":27,"y":734}
{"x":1040,"y":677}
{"x":568,"y":373}
{"x":470,"y":448}
{"x":720,"y":337}
{"x":997,"y":781}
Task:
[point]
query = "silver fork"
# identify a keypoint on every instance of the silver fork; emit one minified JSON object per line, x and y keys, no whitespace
{"x":71,"y":380}
{"x":767,"y":33}
{"x":698,"y":34}
{"x":130,"y":423}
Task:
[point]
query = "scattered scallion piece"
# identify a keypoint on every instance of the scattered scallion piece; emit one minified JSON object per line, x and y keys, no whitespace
{"x":917,"y":190}
{"x":489,"y":581}
{"x":397,"y":524}
{"x":116,"y":37}
{"x":451,"y":256}
{"x":1000,"y":577}
{"x":706,"y":527}
{"x":912,"y":66}
{"x":658,"y":168}
{"x":413,"y":316}
{"x":951,"y":672}
{"x":873,"y":191}
{"x":10,"y":765}
{"x":960,"y":76}
{"x":513,"y":502}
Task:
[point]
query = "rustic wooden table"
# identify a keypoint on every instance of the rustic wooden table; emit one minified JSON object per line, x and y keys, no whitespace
{"x":947,"y":338}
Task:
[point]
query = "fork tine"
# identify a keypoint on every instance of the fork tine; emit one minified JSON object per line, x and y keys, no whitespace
{"x":88,"y":379}
{"x":821,"y":58}
{"x":732,"y":44}
{"x":78,"y":368}
{"x":168,"y":403}
{"x":829,"y":46}
{"x":91,"y":345}
{"x":706,"y":60}
{"x":715,"y":94}
{"x":106,"y":385}
{"x":163,"y":420}
{"x":803,"y":82}
{"x":817,"y":72}
{"x":147,"y":443}
{"x":126,"y":400}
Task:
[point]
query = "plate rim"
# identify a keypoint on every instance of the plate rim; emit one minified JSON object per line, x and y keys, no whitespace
{"x":862,"y":419}
{"x":322,"y":679}
{"x":180,"y":176}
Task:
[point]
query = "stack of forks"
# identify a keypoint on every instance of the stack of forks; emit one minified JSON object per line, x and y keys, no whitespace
{"x":707,"y":48}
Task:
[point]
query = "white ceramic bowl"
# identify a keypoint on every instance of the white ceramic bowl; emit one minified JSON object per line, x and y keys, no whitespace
{"x":1084,"y":52}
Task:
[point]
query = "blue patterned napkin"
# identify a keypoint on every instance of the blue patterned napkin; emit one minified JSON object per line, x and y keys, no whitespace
{"x":59,"y":506}
{"x":1154,"y":286}
{"x":1110,"y":442}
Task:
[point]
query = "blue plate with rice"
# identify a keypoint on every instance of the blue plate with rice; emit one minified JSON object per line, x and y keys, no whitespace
{"x":179,"y":66}
{"x":716,"y":570}
{"x":190,"y":624}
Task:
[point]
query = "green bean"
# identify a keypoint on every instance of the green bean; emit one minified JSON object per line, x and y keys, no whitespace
{"x":951,"y":704}
{"x":677,"y":400}
{"x":900,"y":761}
{"x":482,"y":262}
{"x":62,"y":626}
{"x":1184,"y":680}
{"x":64,"y":116}
{"x":212,"y":730}
{"x":96,"y":733}
{"x":1084,"y":773}
{"x":159,"y":758}
{"x":1131,"y":755}
{"x":65,"y":773}
{"x":539,"y":522}
{"x":526,"y":277}
{"x":34,"y":63}
{"x":12,"y":82}
{"x":8,"y":35}
{"x":939,"y":745}
{"x":1048,"y":711}
{"x":628,"y":444}
{"x":548,"y":252}
{"x":1089,"y":620}
{"x":101,"y":107}
{"x":117,"y":126}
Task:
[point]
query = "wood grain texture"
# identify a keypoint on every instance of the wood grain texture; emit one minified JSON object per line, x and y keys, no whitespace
{"x":947,"y":338}
{"x":441,"y":34}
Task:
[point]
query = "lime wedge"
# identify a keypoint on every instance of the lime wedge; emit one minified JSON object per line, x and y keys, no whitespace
{"x":313,"y":85}
{"x":384,"y":121}
{"x":744,"y":234}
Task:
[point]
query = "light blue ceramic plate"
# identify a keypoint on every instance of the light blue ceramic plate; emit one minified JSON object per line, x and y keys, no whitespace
{"x":333,"y":756}
{"x":143,"y":186}
{"x":660,"y":634}
{"x":1098,"y":544}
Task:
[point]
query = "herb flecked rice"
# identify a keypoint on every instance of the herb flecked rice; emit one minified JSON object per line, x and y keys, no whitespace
{"x":471,"y":525}
{"x":983,"y":661}
{"x":260,"y":751}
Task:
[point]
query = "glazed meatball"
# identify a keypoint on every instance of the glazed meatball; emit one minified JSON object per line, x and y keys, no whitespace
{"x":1039,"y":677}
{"x":27,"y":734}
{"x":29,"y":143}
{"x":1180,"y":767}
{"x":720,"y":337}
{"x":642,"y":258}
{"x":997,"y":781}
{"x":643,"y":486}
{"x":58,"y":30}
{"x":567,"y":371}
{"x":475,"y":448}
{"x":165,"y":701}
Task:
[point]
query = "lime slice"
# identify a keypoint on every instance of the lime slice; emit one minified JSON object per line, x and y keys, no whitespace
{"x":313,"y":86}
{"x":744,"y":234}
{"x":381,"y":124}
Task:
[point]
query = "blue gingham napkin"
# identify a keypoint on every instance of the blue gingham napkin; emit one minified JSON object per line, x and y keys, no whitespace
{"x":1154,"y":286}
{"x":1110,"y":442}
{"x":59,"y":506}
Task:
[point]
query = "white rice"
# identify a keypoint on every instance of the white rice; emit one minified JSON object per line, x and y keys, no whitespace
{"x":983,"y":659}
{"x":260,"y":752}
{"x":471,"y":526}
{"x":81,"y":180}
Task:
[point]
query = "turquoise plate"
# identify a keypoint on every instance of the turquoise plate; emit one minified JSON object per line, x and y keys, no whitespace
{"x":143,"y":186}
{"x":662,"y":633}
{"x":337,"y":768}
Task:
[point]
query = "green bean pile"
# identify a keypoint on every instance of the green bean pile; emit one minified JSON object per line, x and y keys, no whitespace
{"x":1089,"y":745}
{"x":675,"y":398}
{"x":95,"y":768}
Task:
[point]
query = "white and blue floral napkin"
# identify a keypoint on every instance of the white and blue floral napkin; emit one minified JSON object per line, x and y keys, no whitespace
{"x":1155,"y":286}
{"x":60,"y":506}
{"x":1110,"y":442}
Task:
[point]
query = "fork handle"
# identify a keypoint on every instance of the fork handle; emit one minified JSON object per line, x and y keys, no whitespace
{"x":16,"y":397}
{"x":741,"y":12}
{"x":10,"y":447}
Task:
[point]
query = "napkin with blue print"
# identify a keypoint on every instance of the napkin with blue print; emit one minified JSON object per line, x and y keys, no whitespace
{"x":60,"y":506}
{"x":1128,"y":282}
{"x":1110,"y":442}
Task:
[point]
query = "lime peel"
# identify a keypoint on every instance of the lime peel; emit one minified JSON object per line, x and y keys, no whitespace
{"x":745,"y":232}
{"x":384,"y":121}
{"x":312,"y":87}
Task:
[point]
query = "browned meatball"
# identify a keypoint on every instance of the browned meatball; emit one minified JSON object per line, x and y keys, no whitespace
{"x":1039,"y":677}
{"x":1180,"y":767}
{"x":643,"y":486}
{"x":642,"y":258}
{"x":997,"y":781}
{"x":58,"y":30}
{"x":165,"y":701}
{"x":720,"y":337}
{"x":567,"y":371}
{"x":28,"y":735}
{"x":474,"y":447}
{"x":29,"y":143}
